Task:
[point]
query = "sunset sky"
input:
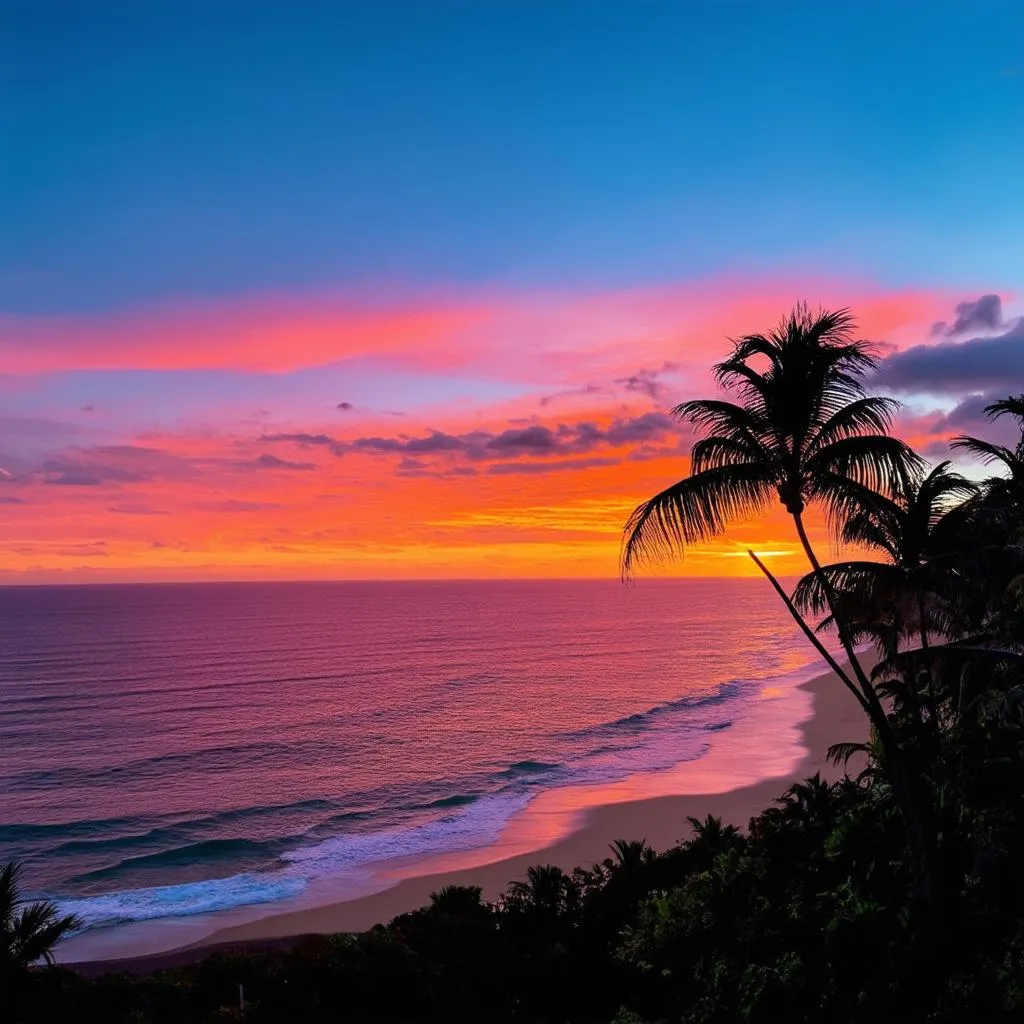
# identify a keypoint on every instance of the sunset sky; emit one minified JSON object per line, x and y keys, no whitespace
{"x":406,"y":289}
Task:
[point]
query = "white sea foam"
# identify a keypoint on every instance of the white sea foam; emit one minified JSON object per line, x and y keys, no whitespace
{"x":183,"y":900}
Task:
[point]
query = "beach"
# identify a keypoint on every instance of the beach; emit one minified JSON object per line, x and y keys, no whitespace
{"x":662,"y":821}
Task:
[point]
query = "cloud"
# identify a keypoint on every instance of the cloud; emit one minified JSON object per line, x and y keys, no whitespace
{"x":640,"y":428}
{"x":646,"y":381}
{"x":304,"y":440}
{"x":972,"y":315}
{"x":534,"y":441}
{"x":87,"y":472}
{"x":345,"y":407}
{"x":981,"y":363}
{"x":531,"y":440}
{"x":586,"y":390}
{"x":6,"y":499}
{"x":268,"y":461}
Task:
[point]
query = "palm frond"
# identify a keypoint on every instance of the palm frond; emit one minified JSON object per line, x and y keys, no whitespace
{"x":853,"y":581}
{"x":1011,"y":406}
{"x":987,"y":452}
{"x":872,"y":414}
{"x":694,"y":509}
{"x":841,"y":753}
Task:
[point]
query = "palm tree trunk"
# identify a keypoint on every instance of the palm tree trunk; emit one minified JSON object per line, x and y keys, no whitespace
{"x":920,"y":849}
{"x":830,"y":596}
{"x":810,"y":634}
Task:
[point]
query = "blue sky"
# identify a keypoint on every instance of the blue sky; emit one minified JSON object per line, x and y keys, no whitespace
{"x":209,"y":149}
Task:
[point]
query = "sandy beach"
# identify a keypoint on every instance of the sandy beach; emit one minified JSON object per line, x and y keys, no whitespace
{"x":661,"y":820}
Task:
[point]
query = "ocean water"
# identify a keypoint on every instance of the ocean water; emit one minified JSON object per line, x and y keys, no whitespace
{"x":174,"y":750}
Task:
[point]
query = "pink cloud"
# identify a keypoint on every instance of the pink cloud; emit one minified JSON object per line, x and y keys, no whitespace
{"x":530,"y":337}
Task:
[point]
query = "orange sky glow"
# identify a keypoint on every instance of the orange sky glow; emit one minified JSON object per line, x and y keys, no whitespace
{"x":319,"y":437}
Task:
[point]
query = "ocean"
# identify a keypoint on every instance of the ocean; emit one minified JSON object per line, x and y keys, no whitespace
{"x":175,"y":750}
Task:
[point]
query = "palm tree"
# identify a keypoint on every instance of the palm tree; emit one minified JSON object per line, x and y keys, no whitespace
{"x":1011,"y":406}
{"x":920,"y":530}
{"x":710,"y":838}
{"x":28,"y":931}
{"x":545,"y":893}
{"x":804,"y":431}
{"x":459,"y":901}
{"x":916,"y":593}
{"x":630,"y":855}
{"x":997,"y":454}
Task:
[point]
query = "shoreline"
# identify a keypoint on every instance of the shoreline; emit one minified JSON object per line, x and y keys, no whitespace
{"x":661,"y":820}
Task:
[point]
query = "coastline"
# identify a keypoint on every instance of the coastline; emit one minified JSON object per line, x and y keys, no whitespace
{"x":661,"y":820}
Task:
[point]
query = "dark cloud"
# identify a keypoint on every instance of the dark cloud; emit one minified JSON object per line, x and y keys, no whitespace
{"x":323,"y":440}
{"x":268,"y":461}
{"x":88,"y":407}
{"x":646,"y":381}
{"x":966,"y":417}
{"x":640,"y":428}
{"x":6,"y":499}
{"x":345,"y":407}
{"x":531,"y":440}
{"x":979,"y":364}
{"x":537,"y":442}
{"x":437,"y":441}
{"x":972,"y":316}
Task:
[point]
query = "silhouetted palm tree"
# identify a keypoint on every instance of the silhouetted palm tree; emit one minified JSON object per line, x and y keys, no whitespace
{"x":28,"y":931}
{"x":629,"y":855}
{"x":921,"y":532}
{"x":996,"y":454}
{"x":545,"y":892}
{"x":710,"y":838}
{"x":459,"y":901}
{"x":803,"y":431}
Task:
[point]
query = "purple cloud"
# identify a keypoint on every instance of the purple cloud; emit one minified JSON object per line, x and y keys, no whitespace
{"x":992,"y":362}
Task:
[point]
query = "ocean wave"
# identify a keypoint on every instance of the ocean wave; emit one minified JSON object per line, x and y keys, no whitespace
{"x":205,"y":852}
{"x":183,"y":900}
{"x":641,"y":720}
{"x":477,"y":826}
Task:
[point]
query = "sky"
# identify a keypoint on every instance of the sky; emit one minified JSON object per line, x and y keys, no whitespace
{"x":401,"y":288}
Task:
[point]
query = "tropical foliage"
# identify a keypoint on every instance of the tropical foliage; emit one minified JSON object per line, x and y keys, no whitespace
{"x":28,"y":933}
{"x":894,"y":894}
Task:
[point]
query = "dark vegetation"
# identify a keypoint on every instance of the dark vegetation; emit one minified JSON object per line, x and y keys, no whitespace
{"x":894,"y":895}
